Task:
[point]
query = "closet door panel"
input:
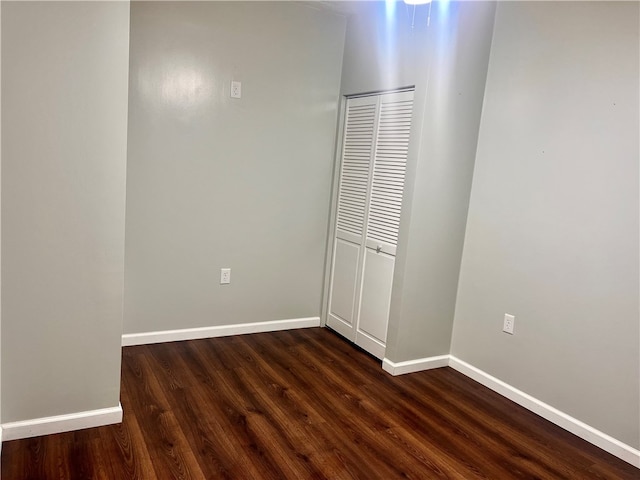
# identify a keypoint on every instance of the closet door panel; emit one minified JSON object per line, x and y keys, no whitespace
{"x":355,"y":168}
{"x":343,"y":287}
{"x":376,"y":297}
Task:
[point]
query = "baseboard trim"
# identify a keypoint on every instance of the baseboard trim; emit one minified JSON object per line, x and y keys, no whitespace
{"x":596,"y":437}
{"x":586,"y":432}
{"x":61,"y":423}
{"x":418,"y":365}
{"x":130,"y":339}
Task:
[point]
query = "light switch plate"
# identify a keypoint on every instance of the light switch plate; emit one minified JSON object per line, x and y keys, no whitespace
{"x":236,"y":89}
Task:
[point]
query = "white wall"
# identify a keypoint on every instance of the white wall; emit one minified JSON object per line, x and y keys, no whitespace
{"x":552,"y":233}
{"x":64,"y":127}
{"x":218,"y":182}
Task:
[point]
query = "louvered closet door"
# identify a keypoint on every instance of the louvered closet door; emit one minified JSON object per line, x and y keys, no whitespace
{"x":383,"y":223}
{"x":372,"y":175}
{"x":353,"y":195}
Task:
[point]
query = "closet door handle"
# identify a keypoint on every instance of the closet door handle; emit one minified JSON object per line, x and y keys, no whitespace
{"x":378,"y":248}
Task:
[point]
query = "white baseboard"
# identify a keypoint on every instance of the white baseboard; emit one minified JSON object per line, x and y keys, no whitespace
{"x":586,"y":432}
{"x":61,"y":423}
{"x":596,"y":437}
{"x":410,"y":366}
{"x":129,"y":339}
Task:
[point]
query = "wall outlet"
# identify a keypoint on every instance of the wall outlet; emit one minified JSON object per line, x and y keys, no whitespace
{"x":236,"y":89}
{"x":509,"y":321}
{"x":225,"y":276}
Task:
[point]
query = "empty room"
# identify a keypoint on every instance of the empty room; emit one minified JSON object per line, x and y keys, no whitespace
{"x":320,"y":239}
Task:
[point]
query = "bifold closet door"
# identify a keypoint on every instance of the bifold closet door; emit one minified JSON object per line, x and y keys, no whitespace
{"x":372,"y":175}
{"x":357,"y":157}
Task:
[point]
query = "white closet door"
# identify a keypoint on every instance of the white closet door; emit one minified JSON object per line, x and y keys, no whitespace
{"x":383,"y":220}
{"x":372,"y":176}
{"x":353,"y":196}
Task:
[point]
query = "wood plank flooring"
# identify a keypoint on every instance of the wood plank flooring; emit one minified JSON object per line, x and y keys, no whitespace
{"x":304,"y":404}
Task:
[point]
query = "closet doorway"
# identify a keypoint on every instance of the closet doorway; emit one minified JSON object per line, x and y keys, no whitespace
{"x":373,"y":160}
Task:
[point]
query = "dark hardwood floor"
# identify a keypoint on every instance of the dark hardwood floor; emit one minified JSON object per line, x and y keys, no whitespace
{"x":304,"y":404}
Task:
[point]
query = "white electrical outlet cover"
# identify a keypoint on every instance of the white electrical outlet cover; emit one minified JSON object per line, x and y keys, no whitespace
{"x":509,"y":321}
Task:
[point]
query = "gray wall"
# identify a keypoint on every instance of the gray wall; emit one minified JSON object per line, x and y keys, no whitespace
{"x":218,"y":182}
{"x":552,"y":234}
{"x":382,"y":51}
{"x":447,"y":64}
{"x":422,"y":310}
{"x":64,"y":119}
